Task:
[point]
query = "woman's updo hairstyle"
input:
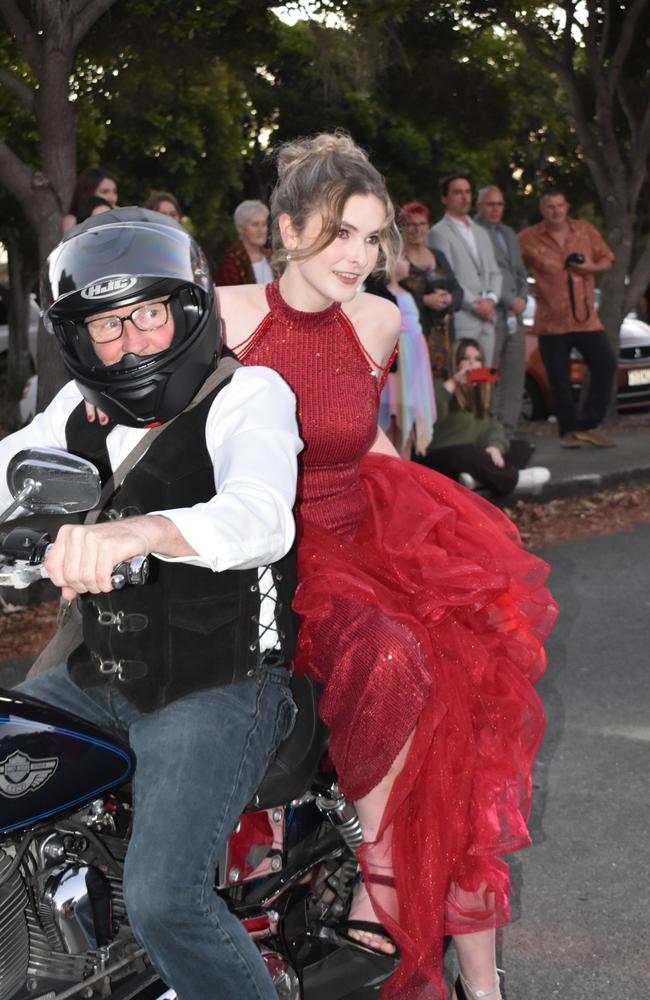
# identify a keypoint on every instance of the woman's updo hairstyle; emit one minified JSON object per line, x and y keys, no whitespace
{"x":318,"y":174}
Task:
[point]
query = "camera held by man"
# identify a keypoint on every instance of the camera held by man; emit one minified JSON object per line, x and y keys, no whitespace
{"x":575,"y":258}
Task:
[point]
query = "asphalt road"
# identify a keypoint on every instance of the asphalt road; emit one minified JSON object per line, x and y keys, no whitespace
{"x":583,"y":889}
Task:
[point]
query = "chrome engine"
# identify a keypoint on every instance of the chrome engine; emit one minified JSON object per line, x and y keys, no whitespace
{"x":14,"y":936}
{"x":63,"y":921}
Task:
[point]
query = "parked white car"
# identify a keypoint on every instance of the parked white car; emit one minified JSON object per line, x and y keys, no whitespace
{"x":633,"y":380}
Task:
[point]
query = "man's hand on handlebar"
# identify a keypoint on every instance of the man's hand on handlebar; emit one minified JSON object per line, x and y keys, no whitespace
{"x":83,"y":557}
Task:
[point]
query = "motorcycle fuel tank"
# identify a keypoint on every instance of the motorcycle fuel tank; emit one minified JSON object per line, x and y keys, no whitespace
{"x":51,"y":761}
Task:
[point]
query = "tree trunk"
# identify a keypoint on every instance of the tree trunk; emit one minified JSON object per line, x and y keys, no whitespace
{"x":52,"y":374}
{"x":619,"y":232}
{"x":612,"y":297}
{"x":48,"y":37}
{"x":19,"y":362}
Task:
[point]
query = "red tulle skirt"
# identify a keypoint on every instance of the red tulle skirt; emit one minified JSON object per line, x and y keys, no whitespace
{"x":430,"y":620}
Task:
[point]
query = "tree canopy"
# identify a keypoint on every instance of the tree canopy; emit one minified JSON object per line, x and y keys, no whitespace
{"x":194,"y":101}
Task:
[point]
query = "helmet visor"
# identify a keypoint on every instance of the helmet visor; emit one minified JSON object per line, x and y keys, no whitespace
{"x":117,"y":264}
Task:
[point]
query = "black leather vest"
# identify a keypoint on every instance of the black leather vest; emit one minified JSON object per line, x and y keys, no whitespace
{"x":188,"y":628}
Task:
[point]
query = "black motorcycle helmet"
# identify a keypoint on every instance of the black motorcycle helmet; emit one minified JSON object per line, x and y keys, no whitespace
{"x":120,"y":258}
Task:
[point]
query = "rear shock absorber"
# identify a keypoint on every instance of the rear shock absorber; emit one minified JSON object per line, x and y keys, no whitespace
{"x":342,"y":815}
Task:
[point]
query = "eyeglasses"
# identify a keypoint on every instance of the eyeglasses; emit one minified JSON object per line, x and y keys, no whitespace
{"x":415,"y":225}
{"x":145,"y":318}
{"x":494,"y":204}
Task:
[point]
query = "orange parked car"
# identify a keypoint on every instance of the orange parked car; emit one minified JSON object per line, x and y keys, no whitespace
{"x":633,"y":389}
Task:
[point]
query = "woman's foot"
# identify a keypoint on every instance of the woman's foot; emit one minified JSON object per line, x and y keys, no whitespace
{"x":362,"y":910}
{"x":463,"y":990}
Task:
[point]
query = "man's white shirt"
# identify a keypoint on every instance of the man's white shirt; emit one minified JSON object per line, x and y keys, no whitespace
{"x":465,"y":230}
{"x":252,"y":438}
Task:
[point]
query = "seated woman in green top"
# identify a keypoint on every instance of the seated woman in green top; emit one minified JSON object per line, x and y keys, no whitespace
{"x":468,"y":443}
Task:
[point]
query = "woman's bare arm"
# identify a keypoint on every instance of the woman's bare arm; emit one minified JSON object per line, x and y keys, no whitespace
{"x":382,"y":446}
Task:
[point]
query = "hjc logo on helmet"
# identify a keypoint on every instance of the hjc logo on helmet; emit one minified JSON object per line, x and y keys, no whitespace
{"x":101,"y":289}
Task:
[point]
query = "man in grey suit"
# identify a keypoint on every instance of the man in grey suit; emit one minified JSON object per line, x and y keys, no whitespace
{"x":510,"y":343}
{"x":468,"y":249}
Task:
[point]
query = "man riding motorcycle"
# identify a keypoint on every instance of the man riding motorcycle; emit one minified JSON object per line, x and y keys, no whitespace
{"x":193,"y":665}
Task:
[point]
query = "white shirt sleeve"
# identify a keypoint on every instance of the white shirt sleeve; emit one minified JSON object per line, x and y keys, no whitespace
{"x":252,"y":437}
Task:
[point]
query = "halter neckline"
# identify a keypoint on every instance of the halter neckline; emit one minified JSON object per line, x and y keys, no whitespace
{"x":305,"y":319}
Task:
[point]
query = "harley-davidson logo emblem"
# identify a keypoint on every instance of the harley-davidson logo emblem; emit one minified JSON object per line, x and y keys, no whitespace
{"x":20,"y":773}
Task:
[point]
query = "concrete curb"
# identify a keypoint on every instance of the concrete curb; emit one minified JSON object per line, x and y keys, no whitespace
{"x":581,"y":485}
{"x":587,"y":470}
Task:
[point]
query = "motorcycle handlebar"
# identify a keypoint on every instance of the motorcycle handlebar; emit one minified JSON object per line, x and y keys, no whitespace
{"x":133,"y":572}
{"x":25,"y":550}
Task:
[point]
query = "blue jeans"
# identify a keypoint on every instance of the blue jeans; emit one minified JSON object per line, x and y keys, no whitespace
{"x":199,"y":762}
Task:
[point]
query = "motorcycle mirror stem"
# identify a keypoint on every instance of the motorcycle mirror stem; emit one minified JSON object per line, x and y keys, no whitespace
{"x":50,"y":481}
{"x":19,"y":500}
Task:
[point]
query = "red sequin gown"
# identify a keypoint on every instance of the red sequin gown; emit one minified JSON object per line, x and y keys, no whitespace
{"x":419,"y":611}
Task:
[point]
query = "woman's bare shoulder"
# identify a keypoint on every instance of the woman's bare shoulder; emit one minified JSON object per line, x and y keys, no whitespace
{"x":377,"y":322}
{"x":366,"y":308}
{"x":242,"y":308}
{"x":239,"y":295}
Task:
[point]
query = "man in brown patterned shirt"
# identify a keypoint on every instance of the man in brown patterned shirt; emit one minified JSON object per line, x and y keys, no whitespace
{"x":563,"y":255}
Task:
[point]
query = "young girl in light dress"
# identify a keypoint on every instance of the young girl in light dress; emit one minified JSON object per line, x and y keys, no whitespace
{"x":407,"y":407}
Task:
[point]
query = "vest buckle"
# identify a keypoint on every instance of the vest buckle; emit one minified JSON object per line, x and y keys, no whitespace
{"x":109,"y":618}
{"x":122,"y":621}
{"x":125,"y":670}
{"x":107,"y":666}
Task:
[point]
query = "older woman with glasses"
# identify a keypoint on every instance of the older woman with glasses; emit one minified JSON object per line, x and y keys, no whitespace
{"x":247,"y":263}
{"x":431,"y":282}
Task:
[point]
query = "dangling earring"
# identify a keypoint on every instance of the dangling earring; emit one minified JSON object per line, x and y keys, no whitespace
{"x":288,"y":255}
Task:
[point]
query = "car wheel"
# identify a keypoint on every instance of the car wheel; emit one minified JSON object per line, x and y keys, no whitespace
{"x":532,"y":403}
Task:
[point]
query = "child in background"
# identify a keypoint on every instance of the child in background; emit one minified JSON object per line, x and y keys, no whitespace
{"x":469,"y":443}
{"x":407,"y":408}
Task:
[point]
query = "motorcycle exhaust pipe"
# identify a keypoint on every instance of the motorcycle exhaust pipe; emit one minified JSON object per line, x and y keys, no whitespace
{"x":343,"y":816}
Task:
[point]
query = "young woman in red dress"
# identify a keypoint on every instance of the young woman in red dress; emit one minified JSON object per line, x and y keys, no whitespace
{"x":420,"y":613}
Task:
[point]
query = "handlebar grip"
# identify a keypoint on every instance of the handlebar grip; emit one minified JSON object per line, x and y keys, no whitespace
{"x":134,"y":572}
{"x":22,"y":560}
{"x":26,"y":544}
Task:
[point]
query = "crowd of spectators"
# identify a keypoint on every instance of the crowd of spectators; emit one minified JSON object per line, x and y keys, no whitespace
{"x":472,"y":277}
{"x":462,"y":287}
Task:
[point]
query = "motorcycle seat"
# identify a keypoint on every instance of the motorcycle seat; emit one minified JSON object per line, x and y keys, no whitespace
{"x":292,"y":769}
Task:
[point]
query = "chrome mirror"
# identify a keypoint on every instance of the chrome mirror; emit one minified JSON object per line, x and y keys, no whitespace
{"x":49,"y":481}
